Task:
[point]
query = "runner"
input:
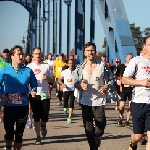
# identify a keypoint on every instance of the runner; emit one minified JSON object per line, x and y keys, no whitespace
{"x":16,"y":79}
{"x":139,"y":68}
{"x":40,"y":104}
{"x":58,"y":64}
{"x":68,"y":88}
{"x":126,"y":93}
{"x":93,"y":78}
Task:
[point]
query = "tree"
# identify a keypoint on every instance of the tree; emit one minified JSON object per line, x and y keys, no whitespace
{"x":137,"y":36}
{"x":146,"y":31}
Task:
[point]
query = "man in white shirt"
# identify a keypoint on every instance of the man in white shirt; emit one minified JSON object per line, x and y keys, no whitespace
{"x":137,"y":74}
{"x":40,"y":104}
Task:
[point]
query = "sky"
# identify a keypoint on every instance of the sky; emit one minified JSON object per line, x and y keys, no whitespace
{"x":14,"y":22}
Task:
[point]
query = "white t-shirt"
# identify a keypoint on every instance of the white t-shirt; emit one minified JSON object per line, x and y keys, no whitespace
{"x":39,"y":70}
{"x":68,"y":80}
{"x":91,"y":96}
{"x":139,"y":67}
{"x":50,"y":62}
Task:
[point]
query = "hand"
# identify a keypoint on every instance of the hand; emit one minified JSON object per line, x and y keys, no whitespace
{"x":64,"y":86}
{"x":33,"y":93}
{"x":118,"y":82}
{"x":83,"y":85}
{"x":145,"y":82}
{"x":5,"y":97}
{"x":44,"y":77}
{"x":103,"y":89}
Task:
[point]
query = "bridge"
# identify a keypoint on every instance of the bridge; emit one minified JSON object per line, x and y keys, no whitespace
{"x":64,"y":136}
{"x":48,"y":17}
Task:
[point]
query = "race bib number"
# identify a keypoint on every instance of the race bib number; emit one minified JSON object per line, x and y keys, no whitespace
{"x":69,"y":81}
{"x":15,"y":99}
{"x":44,"y":95}
{"x":126,"y":85}
{"x":59,"y":69}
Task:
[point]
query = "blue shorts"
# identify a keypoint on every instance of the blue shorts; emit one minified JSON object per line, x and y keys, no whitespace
{"x":140,"y":117}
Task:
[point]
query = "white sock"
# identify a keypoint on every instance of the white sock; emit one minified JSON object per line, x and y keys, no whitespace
{"x":30,"y":115}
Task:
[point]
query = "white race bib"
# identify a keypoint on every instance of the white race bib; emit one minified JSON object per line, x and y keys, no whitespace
{"x":15,"y":98}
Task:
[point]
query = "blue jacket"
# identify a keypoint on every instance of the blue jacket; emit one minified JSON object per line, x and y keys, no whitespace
{"x":17,"y":82}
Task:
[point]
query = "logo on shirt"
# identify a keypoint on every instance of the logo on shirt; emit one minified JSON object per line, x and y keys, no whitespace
{"x":37,"y":71}
{"x":146,"y":68}
{"x":69,"y":80}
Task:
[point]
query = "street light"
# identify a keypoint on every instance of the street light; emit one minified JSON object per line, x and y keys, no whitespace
{"x":68,"y":2}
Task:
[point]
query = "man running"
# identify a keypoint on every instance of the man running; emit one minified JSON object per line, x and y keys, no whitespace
{"x":137,"y":74}
{"x":93,"y":78}
{"x":68,"y":88}
{"x":126,"y":92}
{"x":40,"y":104}
{"x":16,"y":79}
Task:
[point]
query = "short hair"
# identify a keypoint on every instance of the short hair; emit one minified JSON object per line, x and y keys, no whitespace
{"x":89,"y":44}
{"x":36,"y":48}
{"x":67,"y":61}
{"x":49,"y":54}
{"x":12,"y":50}
{"x":144,"y":39}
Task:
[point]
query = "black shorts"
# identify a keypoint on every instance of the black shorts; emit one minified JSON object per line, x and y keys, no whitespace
{"x":12,"y":115}
{"x":140,"y":117}
{"x":40,"y":108}
{"x":126,"y":94}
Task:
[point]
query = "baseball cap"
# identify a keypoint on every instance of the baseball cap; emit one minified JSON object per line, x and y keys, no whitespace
{"x":6,"y":50}
{"x":61,"y":54}
{"x":117,"y":60}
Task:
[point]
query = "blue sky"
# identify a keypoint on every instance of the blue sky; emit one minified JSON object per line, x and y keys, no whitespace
{"x":14,"y":22}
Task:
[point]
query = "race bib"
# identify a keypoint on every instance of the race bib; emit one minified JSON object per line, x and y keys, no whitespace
{"x":69,"y":81}
{"x":44,"y":95}
{"x":15,"y":99}
{"x":126,"y":85}
{"x":59,"y":69}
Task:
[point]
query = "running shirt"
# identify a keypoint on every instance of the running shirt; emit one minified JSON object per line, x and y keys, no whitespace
{"x":68,"y":79}
{"x":58,"y":67}
{"x":139,"y":68}
{"x":91,"y":96}
{"x":39,"y":70}
{"x":16,"y":85}
{"x":50,"y":62}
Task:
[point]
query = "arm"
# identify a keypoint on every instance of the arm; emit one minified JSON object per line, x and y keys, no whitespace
{"x":33,"y":81}
{"x":50,"y":76}
{"x":76,"y":81}
{"x":60,"y":81}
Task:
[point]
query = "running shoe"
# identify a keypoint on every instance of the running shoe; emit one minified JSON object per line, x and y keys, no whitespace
{"x":143,"y":141}
{"x":120,"y":120}
{"x":126,"y":124}
{"x":65,"y":110}
{"x":5,"y":148}
{"x":132,"y":147}
{"x":43,"y":131}
{"x":29,"y":125}
{"x":38,"y":141}
{"x":69,"y":120}
{"x":98,"y":141}
{"x":60,"y":103}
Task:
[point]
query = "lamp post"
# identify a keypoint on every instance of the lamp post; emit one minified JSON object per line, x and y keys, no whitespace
{"x":68,"y":2}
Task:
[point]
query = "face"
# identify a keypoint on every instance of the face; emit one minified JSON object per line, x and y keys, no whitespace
{"x":103,"y":59}
{"x":117,"y":63}
{"x":128,"y":58}
{"x":71,"y":57}
{"x":18,"y":56}
{"x":50,"y":57}
{"x":36,"y":55}
{"x":28,"y":59}
{"x":5,"y":55}
{"x":70,"y":64}
{"x":147,"y":47}
{"x":60,"y":57}
{"x":90,"y":52}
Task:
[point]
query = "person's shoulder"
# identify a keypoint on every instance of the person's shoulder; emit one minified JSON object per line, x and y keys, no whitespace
{"x":6,"y":68}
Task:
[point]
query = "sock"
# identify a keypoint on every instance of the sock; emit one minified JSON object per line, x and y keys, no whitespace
{"x":30,"y":115}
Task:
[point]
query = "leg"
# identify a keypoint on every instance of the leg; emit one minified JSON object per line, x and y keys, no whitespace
{"x":44,"y":115}
{"x":9,"y":125}
{"x":148,"y":141}
{"x":138,"y":117}
{"x":121,"y":111}
{"x":20,"y":125}
{"x":71,"y":106}
{"x":128,"y":116}
{"x":87,"y":116}
{"x":66,"y":98}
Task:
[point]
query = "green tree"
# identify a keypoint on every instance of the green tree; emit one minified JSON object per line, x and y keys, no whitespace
{"x":146,"y":31}
{"x":137,"y":36}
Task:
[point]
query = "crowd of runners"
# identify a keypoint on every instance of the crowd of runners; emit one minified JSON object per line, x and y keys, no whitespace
{"x":26,"y":83}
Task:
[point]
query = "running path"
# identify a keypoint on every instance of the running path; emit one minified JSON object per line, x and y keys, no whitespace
{"x":62,"y":136}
